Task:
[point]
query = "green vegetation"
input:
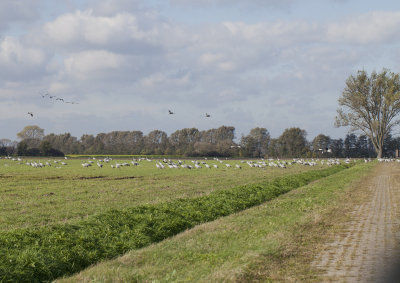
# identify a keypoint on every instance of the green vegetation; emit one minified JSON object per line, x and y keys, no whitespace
{"x":45,"y":253}
{"x":370,"y":104}
{"x":193,"y":142}
{"x":32,"y":197}
{"x":272,"y":242}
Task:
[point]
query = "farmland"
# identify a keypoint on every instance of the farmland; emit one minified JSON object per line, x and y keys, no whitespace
{"x":51,"y":205}
{"x":63,"y":193}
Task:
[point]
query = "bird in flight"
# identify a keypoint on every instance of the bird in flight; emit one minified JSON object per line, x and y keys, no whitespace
{"x":208,"y":115}
{"x":44,"y":94}
{"x":170,"y":112}
{"x":30,"y":113}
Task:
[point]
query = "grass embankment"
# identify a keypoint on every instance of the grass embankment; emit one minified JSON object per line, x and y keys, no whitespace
{"x":275,"y":241}
{"x":49,"y":252}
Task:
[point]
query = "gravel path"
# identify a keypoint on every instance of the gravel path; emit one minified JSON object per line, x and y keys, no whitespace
{"x":366,"y":249}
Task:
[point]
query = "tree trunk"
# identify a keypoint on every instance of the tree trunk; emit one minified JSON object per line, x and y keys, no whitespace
{"x":379,"y":151}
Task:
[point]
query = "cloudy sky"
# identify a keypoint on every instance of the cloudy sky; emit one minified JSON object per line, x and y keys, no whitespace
{"x":254,"y":63}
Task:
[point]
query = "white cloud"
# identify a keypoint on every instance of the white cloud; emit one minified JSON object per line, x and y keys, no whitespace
{"x":92,"y":64}
{"x":370,"y":28}
{"x":12,"y":52}
{"x":57,"y":87}
{"x":18,"y":11}
{"x":112,"y":7}
{"x":122,"y":32}
{"x":156,"y":80}
{"x":19,"y":62}
{"x":64,"y":29}
{"x":210,"y":58}
{"x":217,"y":60}
{"x":281,"y":4}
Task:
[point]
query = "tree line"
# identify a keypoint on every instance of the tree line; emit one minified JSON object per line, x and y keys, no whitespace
{"x":219,"y":142}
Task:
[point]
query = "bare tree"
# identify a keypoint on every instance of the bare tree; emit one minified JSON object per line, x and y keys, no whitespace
{"x":370,"y":104}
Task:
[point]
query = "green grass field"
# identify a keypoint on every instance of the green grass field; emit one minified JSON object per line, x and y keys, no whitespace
{"x":36,"y":199}
{"x":31,"y":197}
{"x":272,"y":242}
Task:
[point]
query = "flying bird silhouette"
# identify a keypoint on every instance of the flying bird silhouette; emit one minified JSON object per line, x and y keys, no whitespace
{"x":208,"y":115}
{"x":44,"y":95}
{"x":170,"y":112}
{"x":57,"y":98}
{"x":30,"y":113}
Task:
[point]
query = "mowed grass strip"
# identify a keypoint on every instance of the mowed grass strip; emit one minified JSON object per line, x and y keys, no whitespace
{"x":49,"y":252}
{"x":272,"y":242}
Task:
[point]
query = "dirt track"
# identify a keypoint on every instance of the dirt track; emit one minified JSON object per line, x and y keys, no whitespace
{"x":366,"y":248}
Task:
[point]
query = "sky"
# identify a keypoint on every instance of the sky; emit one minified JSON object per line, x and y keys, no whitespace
{"x":124,"y":63}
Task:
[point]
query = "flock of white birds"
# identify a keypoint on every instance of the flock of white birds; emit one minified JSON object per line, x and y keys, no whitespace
{"x":189,"y":164}
{"x":36,"y":163}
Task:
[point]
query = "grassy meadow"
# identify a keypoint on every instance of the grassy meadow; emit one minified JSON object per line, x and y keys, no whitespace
{"x":46,"y":213}
{"x":272,"y":242}
{"x":31,"y":197}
